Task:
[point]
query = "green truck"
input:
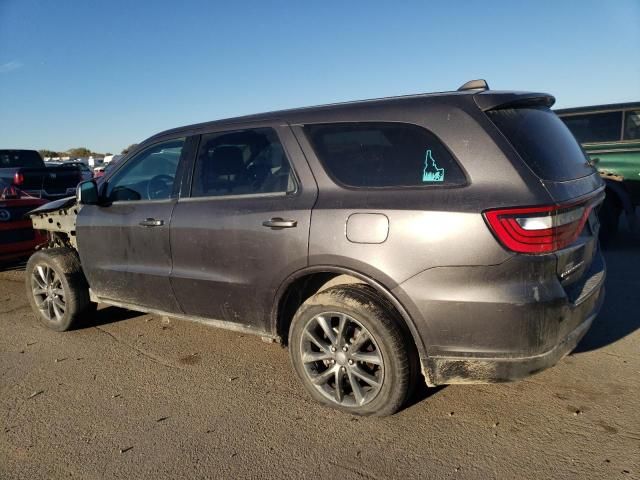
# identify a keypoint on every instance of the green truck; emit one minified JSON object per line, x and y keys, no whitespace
{"x":610,"y":135}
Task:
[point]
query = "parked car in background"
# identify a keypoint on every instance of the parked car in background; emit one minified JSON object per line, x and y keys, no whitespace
{"x":610,"y":135}
{"x":87,"y":173}
{"x":105,"y":169}
{"x":112,"y":158}
{"x":27,"y":170}
{"x":17,"y":236}
{"x":452,"y":234}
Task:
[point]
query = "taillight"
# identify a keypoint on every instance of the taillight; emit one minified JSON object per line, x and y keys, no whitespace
{"x":538,"y":229}
{"x":18,"y":178}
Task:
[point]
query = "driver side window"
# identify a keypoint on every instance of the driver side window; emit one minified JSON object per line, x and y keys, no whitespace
{"x":149,"y":175}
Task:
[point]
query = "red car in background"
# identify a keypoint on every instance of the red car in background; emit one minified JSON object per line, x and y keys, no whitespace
{"x":17,"y":236}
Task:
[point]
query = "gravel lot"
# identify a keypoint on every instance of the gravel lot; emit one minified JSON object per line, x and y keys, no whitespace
{"x":136,"y":396}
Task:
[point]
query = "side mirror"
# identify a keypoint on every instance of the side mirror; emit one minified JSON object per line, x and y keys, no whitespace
{"x":87,"y":193}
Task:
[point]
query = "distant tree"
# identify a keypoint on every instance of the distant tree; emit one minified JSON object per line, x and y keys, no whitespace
{"x":79,"y":152}
{"x":48,"y":153}
{"x":129,"y":148}
{"x":108,"y":153}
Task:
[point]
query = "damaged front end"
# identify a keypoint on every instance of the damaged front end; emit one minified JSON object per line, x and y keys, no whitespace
{"x":58,"y":219}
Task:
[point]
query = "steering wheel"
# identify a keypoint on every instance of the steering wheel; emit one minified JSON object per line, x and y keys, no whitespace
{"x":159,"y":186}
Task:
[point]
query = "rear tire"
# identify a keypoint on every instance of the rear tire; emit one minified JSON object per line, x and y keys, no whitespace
{"x":350,"y":352}
{"x":57,"y":288}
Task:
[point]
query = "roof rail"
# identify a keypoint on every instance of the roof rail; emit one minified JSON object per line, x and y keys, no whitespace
{"x":479,"y":84}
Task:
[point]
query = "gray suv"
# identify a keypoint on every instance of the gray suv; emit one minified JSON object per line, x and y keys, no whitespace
{"x":452,"y":235}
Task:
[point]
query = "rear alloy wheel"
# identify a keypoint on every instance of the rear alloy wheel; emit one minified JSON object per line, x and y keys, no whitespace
{"x":57,"y":289}
{"x":342,"y":359}
{"x":348,"y":349}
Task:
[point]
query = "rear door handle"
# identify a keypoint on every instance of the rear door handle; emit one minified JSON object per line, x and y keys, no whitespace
{"x":279,"y":223}
{"x":151,"y":222}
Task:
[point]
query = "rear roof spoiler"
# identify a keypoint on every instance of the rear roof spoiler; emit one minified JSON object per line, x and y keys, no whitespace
{"x":495,"y":100}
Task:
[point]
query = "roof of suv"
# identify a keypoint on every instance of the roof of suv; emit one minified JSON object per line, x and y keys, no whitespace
{"x":485,"y":99}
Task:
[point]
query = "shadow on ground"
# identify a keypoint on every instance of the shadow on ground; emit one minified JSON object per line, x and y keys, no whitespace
{"x":109,"y":315}
{"x":620,"y":315}
{"x":13,"y":265}
{"x":422,"y":392}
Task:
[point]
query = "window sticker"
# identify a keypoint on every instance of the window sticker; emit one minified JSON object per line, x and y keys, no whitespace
{"x":432,"y":173}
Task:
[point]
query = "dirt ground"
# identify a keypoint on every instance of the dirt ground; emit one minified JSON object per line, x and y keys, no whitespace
{"x":136,"y":396}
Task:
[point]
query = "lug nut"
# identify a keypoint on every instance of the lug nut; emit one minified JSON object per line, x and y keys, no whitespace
{"x":342,"y":368}
{"x":333,"y":349}
{"x":351,"y":362}
{"x":345,"y":348}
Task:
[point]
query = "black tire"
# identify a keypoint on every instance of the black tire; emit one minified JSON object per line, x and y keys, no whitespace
{"x":62,"y":311}
{"x":363,"y":307}
{"x":609,"y":218}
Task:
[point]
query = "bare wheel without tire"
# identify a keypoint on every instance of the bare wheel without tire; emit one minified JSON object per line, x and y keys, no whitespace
{"x":57,"y":289}
{"x":350,"y":353}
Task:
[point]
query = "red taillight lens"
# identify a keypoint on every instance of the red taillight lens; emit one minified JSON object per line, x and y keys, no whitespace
{"x":538,"y":229}
{"x":18,"y":178}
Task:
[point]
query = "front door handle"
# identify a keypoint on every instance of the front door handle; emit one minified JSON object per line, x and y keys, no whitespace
{"x":151,"y":222}
{"x":279,"y":223}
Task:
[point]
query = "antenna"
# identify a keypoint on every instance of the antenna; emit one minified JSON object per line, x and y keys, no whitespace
{"x":479,"y":84}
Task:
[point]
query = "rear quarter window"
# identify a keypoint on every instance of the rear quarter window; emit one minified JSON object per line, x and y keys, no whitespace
{"x":544,"y":143}
{"x":378,"y":155}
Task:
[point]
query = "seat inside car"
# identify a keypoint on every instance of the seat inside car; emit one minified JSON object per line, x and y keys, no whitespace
{"x":271,"y":170}
{"x":224,"y":171}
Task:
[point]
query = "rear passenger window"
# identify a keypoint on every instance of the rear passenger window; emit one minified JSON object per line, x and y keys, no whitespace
{"x":370,"y":155}
{"x":242,"y":162}
{"x":595,"y":127}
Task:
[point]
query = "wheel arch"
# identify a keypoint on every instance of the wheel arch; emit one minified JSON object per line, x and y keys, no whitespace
{"x":308,"y":281}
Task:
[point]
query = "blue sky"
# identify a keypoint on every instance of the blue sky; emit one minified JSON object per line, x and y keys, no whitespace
{"x":104,"y":74}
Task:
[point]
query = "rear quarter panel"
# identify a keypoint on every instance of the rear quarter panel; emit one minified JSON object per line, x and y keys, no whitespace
{"x":428,"y":226}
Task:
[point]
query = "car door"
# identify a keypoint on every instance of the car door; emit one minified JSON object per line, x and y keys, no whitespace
{"x":124,"y":242}
{"x":244,"y":227}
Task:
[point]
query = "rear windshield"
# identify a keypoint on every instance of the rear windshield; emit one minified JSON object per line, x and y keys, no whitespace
{"x":543,"y":142}
{"x":374,"y":155}
{"x":20,"y":158}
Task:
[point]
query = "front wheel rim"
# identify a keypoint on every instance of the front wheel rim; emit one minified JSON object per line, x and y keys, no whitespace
{"x":48,"y":293}
{"x":342,"y":359}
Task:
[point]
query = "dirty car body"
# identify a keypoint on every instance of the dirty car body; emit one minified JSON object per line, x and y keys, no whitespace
{"x":486,"y":253}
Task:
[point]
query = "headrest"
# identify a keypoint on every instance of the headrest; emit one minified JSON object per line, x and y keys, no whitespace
{"x":227,"y":160}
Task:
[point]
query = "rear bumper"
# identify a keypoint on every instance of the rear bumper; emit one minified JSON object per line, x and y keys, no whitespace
{"x":499,"y":323}
{"x":444,"y":370}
